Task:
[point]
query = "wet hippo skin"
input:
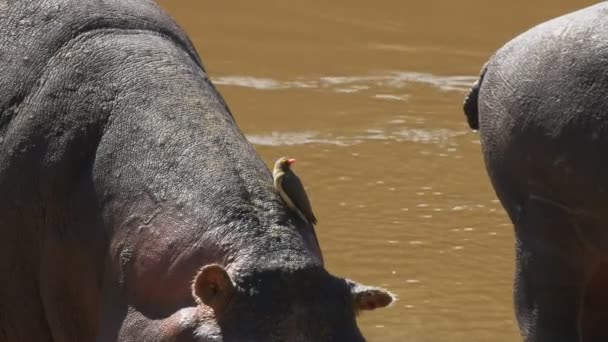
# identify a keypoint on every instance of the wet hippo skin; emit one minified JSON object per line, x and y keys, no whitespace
{"x":541,"y":109}
{"x":132,"y":207}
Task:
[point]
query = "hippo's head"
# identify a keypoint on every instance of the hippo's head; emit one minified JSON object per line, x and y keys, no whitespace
{"x":276,"y":305}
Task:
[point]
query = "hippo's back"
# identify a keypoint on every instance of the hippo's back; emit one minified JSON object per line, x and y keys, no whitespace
{"x":543,"y":111}
{"x":33,"y":31}
{"x":554,"y":68}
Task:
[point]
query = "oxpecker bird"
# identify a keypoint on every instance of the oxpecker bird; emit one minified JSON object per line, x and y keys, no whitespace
{"x":291,"y":189}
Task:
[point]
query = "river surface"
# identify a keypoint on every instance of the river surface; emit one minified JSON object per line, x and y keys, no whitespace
{"x":367,"y":95}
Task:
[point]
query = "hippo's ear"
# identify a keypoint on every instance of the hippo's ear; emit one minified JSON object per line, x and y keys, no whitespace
{"x":368,"y":297}
{"x":212,"y":287}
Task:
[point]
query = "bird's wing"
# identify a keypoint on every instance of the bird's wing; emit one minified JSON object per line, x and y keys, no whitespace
{"x":292,"y":186}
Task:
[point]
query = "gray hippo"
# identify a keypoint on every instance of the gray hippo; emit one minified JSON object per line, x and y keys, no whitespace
{"x":132,"y":208}
{"x":541,"y":107}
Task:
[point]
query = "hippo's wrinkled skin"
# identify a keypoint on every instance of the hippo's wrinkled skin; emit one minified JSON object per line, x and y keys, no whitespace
{"x":541,"y":107}
{"x":132,"y":208}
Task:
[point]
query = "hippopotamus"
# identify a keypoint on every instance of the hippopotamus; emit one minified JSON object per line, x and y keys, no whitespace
{"x":541,"y":109}
{"x":133,"y":208}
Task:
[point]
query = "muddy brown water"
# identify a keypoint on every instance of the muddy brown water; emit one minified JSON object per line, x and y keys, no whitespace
{"x":367,"y":96}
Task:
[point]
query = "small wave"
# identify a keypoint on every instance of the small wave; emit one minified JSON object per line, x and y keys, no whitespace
{"x":293,"y":138}
{"x":425,"y":49}
{"x":352,"y":84}
{"x":310,"y":137}
{"x":427,"y":136}
{"x":400,"y":79}
{"x":260,"y":83}
{"x":392,"y":97}
{"x":414,"y":135}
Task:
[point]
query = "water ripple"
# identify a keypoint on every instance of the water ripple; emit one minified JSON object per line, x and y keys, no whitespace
{"x":295,"y":138}
{"x":429,"y":136}
{"x":353,"y":84}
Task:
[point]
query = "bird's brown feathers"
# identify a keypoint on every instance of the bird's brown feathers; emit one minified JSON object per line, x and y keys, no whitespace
{"x":292,"y":186}
{"x":291,"y":189}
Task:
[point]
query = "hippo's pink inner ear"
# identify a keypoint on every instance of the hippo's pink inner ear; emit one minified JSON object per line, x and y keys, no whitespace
{"x":369,"y":298}
{"x":212,"y":287}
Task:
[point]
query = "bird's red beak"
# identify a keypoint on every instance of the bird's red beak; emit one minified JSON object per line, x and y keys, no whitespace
{"x":291,"y":161}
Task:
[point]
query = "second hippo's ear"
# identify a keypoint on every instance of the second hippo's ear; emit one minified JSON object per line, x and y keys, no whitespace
{"x":369,"y":297}
{"x":212,"y":287}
